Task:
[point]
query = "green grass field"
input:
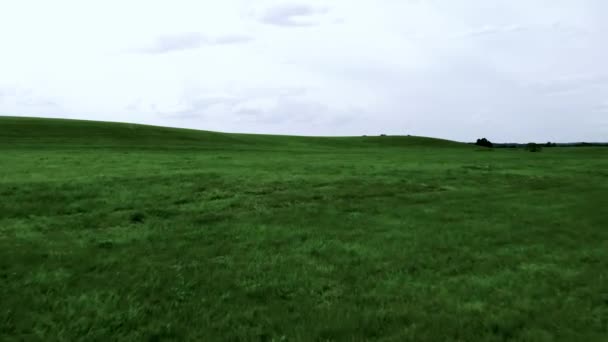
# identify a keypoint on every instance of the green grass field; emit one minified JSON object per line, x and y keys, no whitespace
{"x":120,"y":232}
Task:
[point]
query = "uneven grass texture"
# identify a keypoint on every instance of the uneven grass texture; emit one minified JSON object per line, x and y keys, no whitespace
{"x":135,"y":233}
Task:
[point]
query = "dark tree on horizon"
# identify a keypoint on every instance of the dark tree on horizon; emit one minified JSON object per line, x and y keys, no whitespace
{"x":534,"y":147}
{"x":484,"y":143}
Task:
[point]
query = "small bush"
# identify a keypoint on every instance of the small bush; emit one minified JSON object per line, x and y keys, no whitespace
{"x":484,"y":143}
{"x":534,"y":147}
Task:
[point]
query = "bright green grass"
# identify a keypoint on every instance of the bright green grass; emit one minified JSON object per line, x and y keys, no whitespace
{"x":118,"y":232}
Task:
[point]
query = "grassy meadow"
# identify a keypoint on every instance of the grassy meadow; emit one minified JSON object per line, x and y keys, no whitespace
{"x":120,"y":232}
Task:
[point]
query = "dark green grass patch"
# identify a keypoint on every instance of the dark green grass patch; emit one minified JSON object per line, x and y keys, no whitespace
{"x":341,"y":240}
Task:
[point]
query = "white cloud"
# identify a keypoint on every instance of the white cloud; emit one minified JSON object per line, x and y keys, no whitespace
{"x":191,"y":40}
{"x":292,"y":15}
{"x":575,"y":81}
{"x":490,"y":30}
{"x":20,"y":101}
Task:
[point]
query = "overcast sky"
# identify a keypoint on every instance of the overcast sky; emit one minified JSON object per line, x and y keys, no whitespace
{"x":511,"y":70}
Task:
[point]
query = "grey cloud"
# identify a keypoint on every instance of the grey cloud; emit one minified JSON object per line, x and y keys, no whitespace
{"x":184,"y":41}
{"x":287,"y":91}
{"x":574,"y":83}
{"x":5,"y":92}
{"x":231,"y":39}
{"x":191,"y":40}
{"x":491,"y":30}
{"x":286,"y":110}
{"x":573,"y":30}
{"x":300,"y":116}
{"x":26,"y":97}
{"x":31,"y":100}
{"x":142,"y":107}
{"x":29,"y":103}
{"x":200,"y":107}
{"x":602,"y":108}
{"x":292,"y":15}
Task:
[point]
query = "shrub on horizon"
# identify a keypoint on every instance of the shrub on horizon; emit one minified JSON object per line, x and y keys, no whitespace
{"x":484,"y":143}
{"x":534,"y":147}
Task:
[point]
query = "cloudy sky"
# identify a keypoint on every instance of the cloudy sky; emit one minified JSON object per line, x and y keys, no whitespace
{"x":508,"y":70}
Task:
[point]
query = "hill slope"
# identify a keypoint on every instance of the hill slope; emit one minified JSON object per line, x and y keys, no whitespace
{"x":25,"y":131}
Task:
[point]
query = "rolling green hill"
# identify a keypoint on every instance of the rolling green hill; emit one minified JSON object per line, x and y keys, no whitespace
{"x":61,"y":132}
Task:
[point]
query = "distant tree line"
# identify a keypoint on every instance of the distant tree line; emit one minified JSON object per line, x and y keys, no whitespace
{"x":533,"y":147}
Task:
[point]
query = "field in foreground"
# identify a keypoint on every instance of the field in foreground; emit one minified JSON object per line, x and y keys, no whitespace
{"x":125,"y":232}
